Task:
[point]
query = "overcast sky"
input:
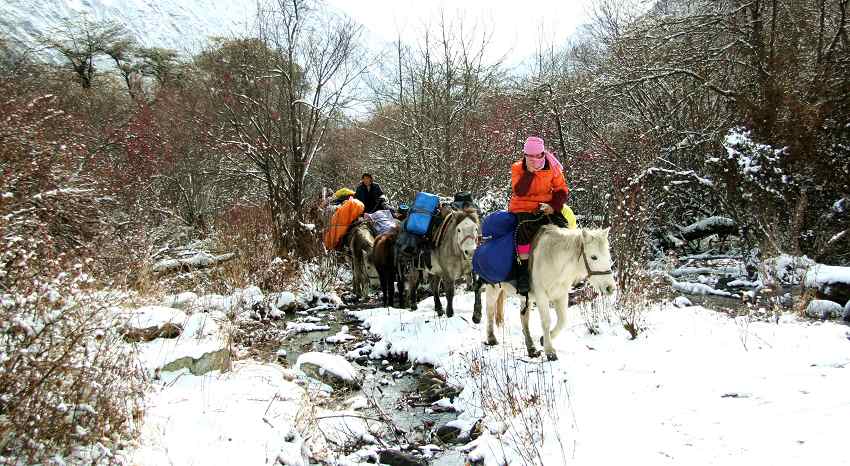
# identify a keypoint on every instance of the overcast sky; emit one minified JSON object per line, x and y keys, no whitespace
{"x":517,"y":25}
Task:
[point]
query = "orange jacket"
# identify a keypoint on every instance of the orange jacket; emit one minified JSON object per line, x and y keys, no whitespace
{"x":347,"y":213}
{"x":547,"y":186}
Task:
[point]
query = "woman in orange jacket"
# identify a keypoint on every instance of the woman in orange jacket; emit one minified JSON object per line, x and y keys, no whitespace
{"x":538,"y":192}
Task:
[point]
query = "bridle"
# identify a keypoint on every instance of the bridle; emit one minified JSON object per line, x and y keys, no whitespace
{"x":444,"y":227}
{"x":591,"y":272}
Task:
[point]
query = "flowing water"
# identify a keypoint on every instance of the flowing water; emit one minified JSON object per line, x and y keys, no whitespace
{"x":394,"y":385}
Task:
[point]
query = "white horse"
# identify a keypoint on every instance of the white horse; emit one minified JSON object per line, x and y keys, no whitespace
{"x":560,"y":258}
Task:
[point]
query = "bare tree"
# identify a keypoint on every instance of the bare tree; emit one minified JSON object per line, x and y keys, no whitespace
{"x":278,"y":108}
{"x":82,"y":41}
{"x":431,"y":102}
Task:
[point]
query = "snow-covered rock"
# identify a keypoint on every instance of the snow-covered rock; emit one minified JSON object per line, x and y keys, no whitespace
{"x":340,"y":337}
{"x":202,"y":347}
{"x":832,"y":282}
{"x":823,"y":309}
{"x":681,"y":301}
{"x":305,"y":327}
{"x":150,"y":322}
{"x":331,"y":369}
{"x":846,"y":316}
{"x":279,"y":303}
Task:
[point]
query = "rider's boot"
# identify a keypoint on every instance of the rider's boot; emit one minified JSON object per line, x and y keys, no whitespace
{"x":523,"y":282}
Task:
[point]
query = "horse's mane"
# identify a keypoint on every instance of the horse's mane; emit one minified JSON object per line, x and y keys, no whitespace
{"x":451,"y":218}
{"x":574,"y":238}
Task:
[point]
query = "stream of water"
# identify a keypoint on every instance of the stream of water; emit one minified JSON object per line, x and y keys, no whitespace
{"x":395,"y":391}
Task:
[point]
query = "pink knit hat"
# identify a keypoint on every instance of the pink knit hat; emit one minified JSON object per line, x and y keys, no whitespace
{"x":533,"y":146}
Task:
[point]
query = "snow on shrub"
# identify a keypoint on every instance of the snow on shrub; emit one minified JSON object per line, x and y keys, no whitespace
{"x":759,"y":164}
{"x":69,"y":389}
{"x":67,"y":380}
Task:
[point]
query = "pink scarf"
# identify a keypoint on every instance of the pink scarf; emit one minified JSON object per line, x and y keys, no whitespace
{"x":538,"y":163}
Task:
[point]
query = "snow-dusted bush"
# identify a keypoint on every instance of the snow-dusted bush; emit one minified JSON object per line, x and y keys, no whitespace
{"x":68,"y":386}
{"x":67,"y":380}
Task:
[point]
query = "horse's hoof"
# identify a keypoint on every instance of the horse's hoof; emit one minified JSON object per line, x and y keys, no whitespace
{"x":439,"y":312}
{"x":533,"y":353}
{"x":476,"y":318}
{"x":492,"y":341}
{"x":551,"y":356}
{"x":450,"y":313}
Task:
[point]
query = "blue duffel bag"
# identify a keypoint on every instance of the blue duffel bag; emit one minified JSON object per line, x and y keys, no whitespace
{"x":494,"y":260}
{"x":421,"y":212}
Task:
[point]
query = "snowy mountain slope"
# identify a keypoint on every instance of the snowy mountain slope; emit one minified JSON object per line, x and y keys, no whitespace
{"x":181,"y":25}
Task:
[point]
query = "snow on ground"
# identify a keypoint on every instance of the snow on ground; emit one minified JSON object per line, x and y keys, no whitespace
{"x":245,"y":416}
{"x":696,"y":387}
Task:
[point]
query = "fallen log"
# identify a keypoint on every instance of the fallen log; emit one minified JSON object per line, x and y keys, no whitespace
{"x":720,"y":226}
{"x":200,"y":260}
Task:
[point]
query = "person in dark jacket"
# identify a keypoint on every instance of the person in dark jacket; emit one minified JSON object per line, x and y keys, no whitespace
{"x":369,"y":193}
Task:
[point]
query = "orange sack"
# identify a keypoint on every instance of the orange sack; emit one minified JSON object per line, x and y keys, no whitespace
{"x":347,"y":213}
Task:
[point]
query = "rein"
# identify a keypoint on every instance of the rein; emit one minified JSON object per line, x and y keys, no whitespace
{"x":591,"y":272}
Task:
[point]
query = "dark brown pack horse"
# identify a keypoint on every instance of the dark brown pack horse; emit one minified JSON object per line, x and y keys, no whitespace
{"x":384,"y":258}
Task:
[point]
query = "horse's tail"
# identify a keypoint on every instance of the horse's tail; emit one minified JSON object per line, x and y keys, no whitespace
{"x":500,"y":309}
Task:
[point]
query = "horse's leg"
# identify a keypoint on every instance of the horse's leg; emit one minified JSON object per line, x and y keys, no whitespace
{"x":450,"y":296}
{"x":561,"y":309}
{"x":526,"y":332}
{"x":390,"y":284}
{"x":435,"y":290}
{"x":545,"y":322}
{"x":355,"y":274}
{"x":492,"y":299}
{"x":413,"y":284}
{"x":476,"y":309}
{"x":400,"y":279}
{"x":385,"y":292}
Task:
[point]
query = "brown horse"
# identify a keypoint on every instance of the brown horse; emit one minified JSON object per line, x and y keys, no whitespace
{"x":383,"y":257}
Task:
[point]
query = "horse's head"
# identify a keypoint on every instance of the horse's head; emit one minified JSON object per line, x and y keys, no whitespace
{"x":596,"y":254}
{"x":467,"y":231}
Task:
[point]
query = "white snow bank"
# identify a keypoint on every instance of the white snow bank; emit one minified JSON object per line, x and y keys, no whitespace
{"x":331,"y":363}
{"x":823,"y":309}
{"x":765,"y":393}
{"x":245,"y":416}
{"x":155,"y":316}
